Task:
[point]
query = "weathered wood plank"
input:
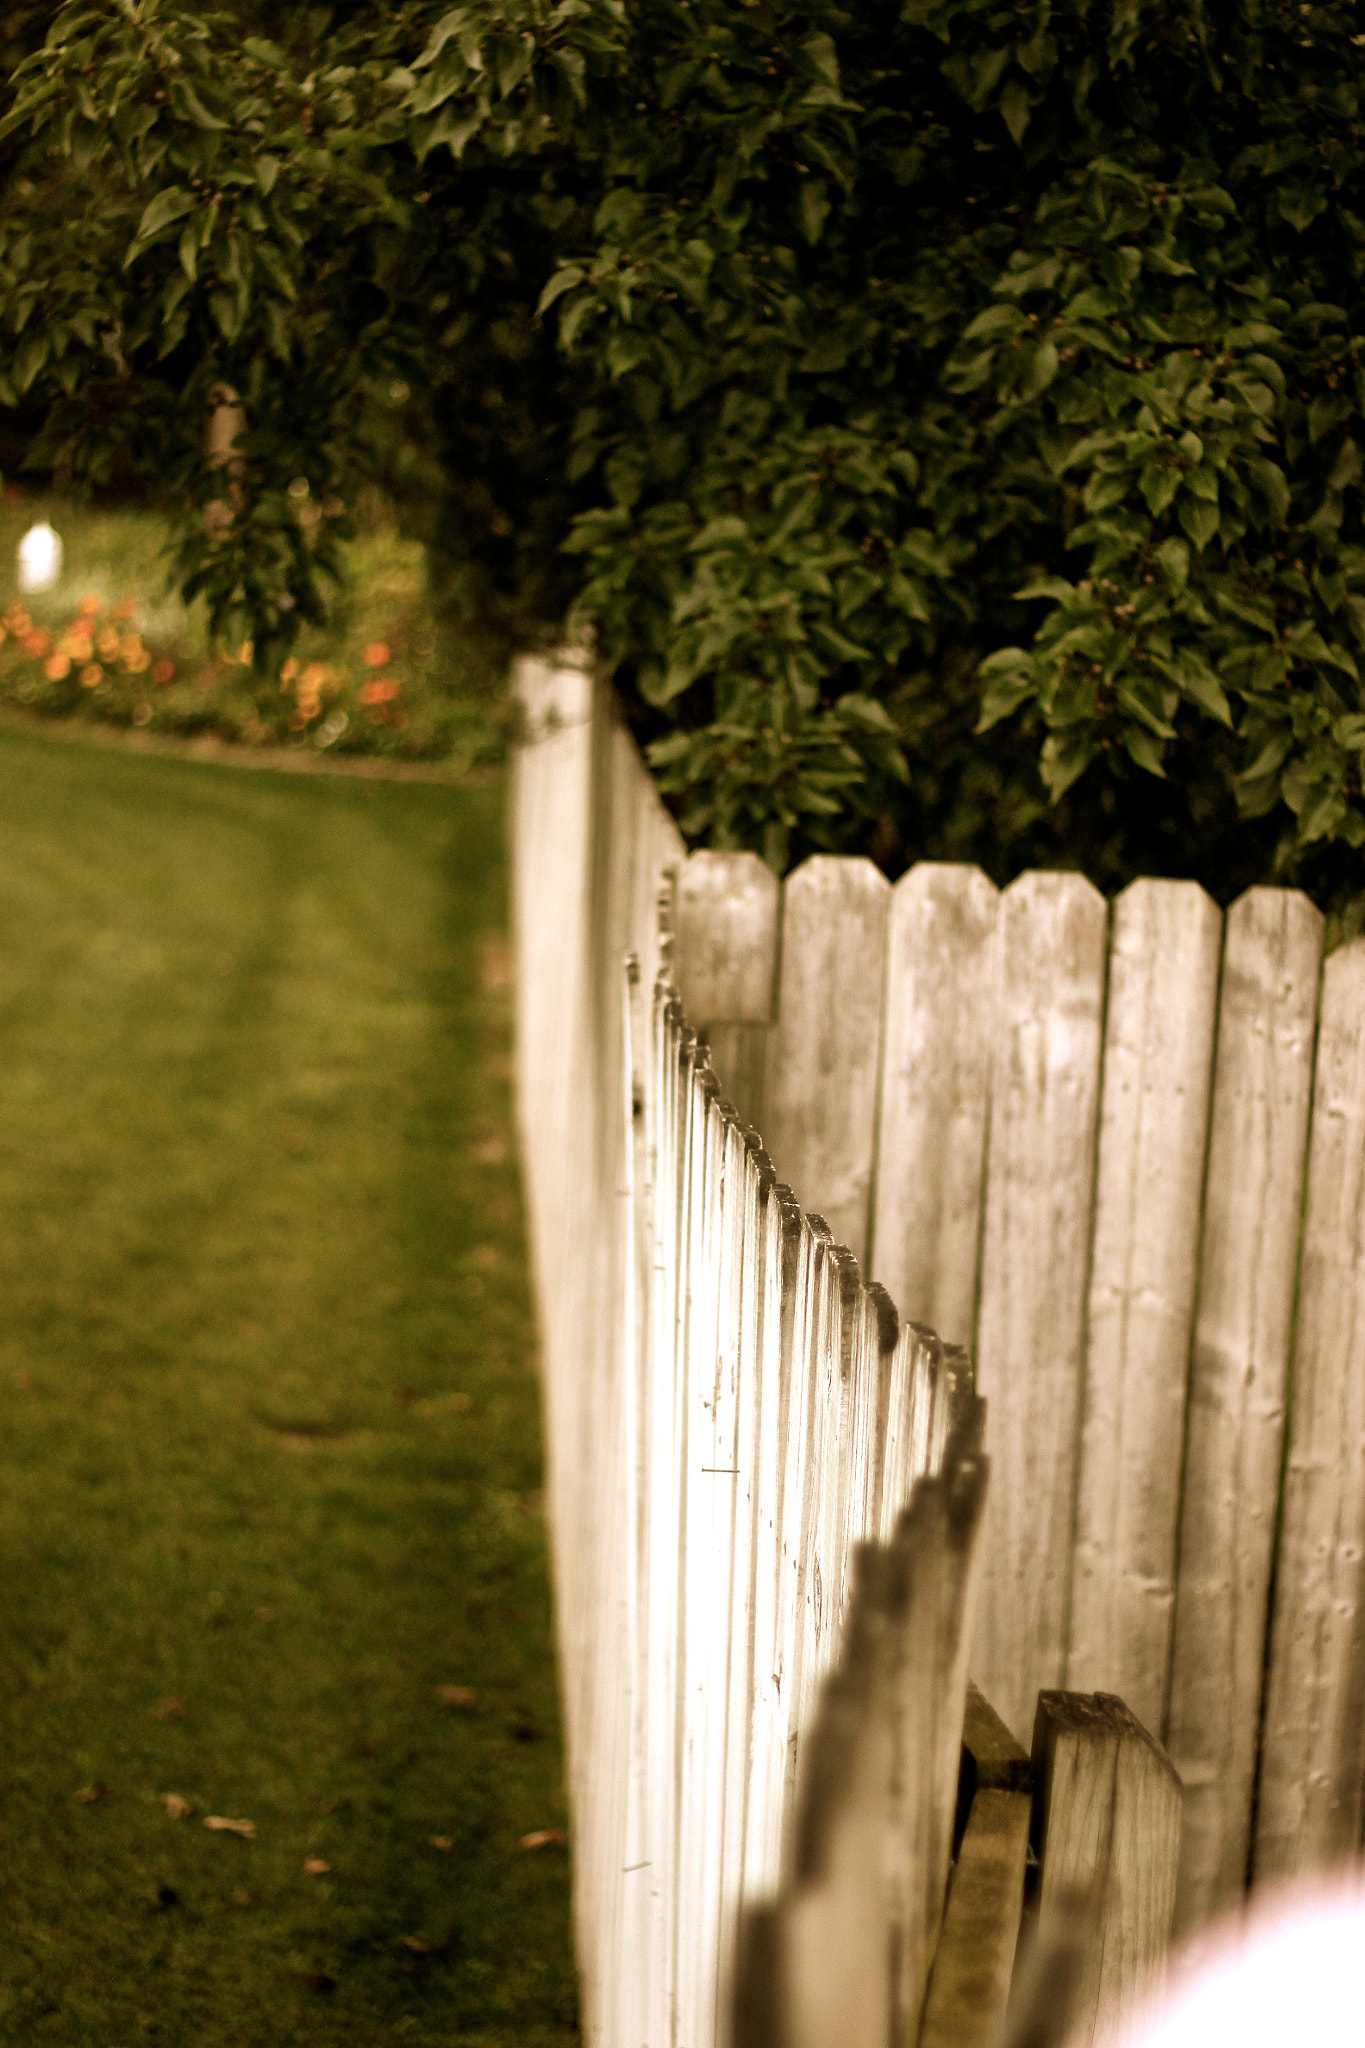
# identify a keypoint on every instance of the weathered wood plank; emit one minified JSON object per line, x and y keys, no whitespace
{"x":1263,"y":1077}
{"x":969,"y":1989}
{"x":757,"y":1386}
{"x":1312,"y":1784}
{"x":935,"y":1090}
{"x":820,"y":1091}
{"x":781,"y":1412}
{"x":728,"y":910}
{"x":729,"y":914}
{"x":1107,"y":1831}
{"x":1154,"y":1114}
{"x":1040,"y":1165}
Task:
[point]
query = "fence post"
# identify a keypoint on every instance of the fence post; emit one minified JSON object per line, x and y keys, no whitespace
{"x":1106,"y":1832}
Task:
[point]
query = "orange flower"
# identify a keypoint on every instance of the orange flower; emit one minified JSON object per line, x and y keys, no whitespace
{"x":90,"y":607}
{"x":382,"y":690}
{"x":375,"y":655}
{"x":122,"y":612}
{"x":135,"y":659}
{"x":106,"y":640}
{"x":36,"y":644}
{"x":57,"y":667}
{"x":164,"y":672}
{"x":92,"y":676}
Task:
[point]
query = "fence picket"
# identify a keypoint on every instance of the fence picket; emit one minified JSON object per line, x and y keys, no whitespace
{"x":779,"y":1415}
{"x":820,"y":1092}
{"x":1039,"y":1174}
{"x":1158,"y":1060}
{"x":757,"y":1387}
{"x":1313,"y":1763}
{"x":1263,"y":1077}
{"x":728,"y":908}
{"x":935,"y":1089}
{"x":1107,"y":1837}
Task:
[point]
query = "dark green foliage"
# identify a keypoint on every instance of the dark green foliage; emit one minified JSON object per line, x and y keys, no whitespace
{"x":946,"y":392}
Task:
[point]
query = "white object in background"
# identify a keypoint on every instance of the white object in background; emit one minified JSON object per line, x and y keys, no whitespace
{"x":1292,"y":1969}
{"x":40,"y":557}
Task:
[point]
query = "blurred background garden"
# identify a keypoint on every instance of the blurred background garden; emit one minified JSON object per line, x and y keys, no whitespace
{"x":113,"y":643}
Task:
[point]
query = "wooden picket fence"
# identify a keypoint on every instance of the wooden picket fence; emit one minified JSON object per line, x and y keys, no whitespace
{"x":1117,"y":1151}
{"x":731,"y":1411}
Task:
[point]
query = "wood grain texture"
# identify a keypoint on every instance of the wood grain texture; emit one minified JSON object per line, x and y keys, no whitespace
{"x":935,"y":1090}
{"x":1312,"y":1783}
{"x":1262,"y":1088}
{"x":728,"y":912}
{"x":820,"y":1092}
{"x":1039,"y":1177}
{"x":1154,"y":1113}
{"x":969,"y":1989}
{"x":1107,"y":1834}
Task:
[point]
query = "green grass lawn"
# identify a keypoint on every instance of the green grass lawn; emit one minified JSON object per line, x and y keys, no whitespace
{"x":268,"y":1419}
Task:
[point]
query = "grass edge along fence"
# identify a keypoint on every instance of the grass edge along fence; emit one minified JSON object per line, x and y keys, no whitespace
{"x":729,"y":1408}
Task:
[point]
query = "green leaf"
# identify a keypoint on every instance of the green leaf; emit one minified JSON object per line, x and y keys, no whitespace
{"x":267,"y":170}
{"x":1145,"y":748}
{"x":996,"y":320}
{"x":562,"y":281}
{"x":814,"y":208}
{"x":722,"y":532}
{"x":1016,"y":105}
{"x":158,"y":214}
{"x":1200,"y":521}
{"x":1300,"y":205}
{"x":188,"y":104}
{"x":1174,"y":558}
{"x":29,"y":358}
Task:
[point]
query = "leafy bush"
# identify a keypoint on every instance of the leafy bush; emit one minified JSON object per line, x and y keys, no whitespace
{"x":956,"y":420}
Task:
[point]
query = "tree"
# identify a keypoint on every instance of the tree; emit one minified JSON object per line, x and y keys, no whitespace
{"x":954,"y":425}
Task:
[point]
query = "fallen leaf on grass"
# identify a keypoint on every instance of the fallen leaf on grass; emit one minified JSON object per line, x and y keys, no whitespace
{"x":170,"y":1709}
{"x":442,"y":1842}
{"x":176,"y":1807}
{"x":316,"y":1866}
{"x":415,"y":1945}
{"x":245,"y":1828}
{"x":456,"y":1695}
{"x":91,"y":1795}
{"x":543,"y":1838}
{"x":319,"y":1981}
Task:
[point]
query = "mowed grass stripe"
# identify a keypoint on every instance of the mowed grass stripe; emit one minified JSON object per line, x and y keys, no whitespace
{"x":268,"y":1418}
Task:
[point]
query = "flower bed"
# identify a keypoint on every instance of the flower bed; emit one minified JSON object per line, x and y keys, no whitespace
{"x":378,"y":681}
